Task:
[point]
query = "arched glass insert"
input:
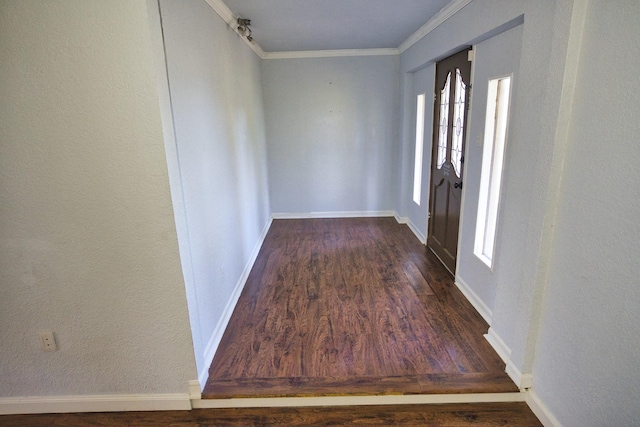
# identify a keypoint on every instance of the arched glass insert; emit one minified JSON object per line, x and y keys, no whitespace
{"x":444,"y":123}
{"x":458,"y":123}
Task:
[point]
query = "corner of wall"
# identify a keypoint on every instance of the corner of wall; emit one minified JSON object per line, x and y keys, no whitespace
{"x":195,"y":390}
{"x":416,"y":231}
{"x":216,"y":336}
{"x":400,"y":219}
{"x":541,"y":411}
{"x":523,"y":381}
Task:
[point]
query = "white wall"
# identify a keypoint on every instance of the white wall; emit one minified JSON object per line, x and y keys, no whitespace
{"x":332,"y":131}
{"x":219,"y":161}
{"x":497,"y":56}
{"x":587,"y":363}
{"x":88,"y":247}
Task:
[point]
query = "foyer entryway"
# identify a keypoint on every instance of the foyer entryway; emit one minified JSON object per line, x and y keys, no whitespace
{"x":353,"y":306}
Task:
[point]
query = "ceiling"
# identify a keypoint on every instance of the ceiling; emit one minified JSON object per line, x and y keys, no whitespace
{"x":307,"y":25}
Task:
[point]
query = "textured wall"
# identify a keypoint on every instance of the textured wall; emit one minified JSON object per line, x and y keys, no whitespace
{"x":587,"y":363}
{"x":220,"y":157}
{"x":332,"y":131}
{"x":88,"y":246}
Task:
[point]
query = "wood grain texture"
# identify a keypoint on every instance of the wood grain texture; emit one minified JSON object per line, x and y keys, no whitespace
{"x":458,"y":415}
{"x":351,"y":306}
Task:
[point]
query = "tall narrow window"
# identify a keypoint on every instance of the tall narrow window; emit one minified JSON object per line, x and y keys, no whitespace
{"x":495,"y":133}
{"x":417,"y":170}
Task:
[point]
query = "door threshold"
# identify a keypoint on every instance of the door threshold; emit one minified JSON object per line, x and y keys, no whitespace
{"x":413,"y":399}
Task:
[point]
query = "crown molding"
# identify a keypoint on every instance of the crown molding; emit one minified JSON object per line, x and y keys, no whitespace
{"x":227,"y":15}
{"x":445,"y":13}
{"x":329,"y":53}
{"x":222,"y":10}
{"x":255,"y":47}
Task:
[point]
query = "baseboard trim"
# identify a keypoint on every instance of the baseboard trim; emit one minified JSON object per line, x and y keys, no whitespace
{"x":195,"y":390}
{"x":498,"y":345}
{"x":475,"y":300}
{"x":411,"y":399}
{"x":216,"y":336}
{"x":418,"y":233}
{"x":341,"y":214}
{"x":523,"y":381}
{"x":94,"y":403}
{"x":541,"y":411}
{"x":400,"y":219}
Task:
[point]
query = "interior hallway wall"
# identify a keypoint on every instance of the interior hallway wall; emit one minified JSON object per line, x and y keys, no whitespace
{"x":498,"y":56}
{"x":418,"y":82}
{"x":88,"y":245}
{"x":332,"y":132}
{"x":587,"y":361}
{"x":219,"y":173}
{"x":518,"y":276}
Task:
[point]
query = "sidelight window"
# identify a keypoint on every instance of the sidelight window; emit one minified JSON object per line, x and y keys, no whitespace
{"x":495,"y":135}
{"x":417,"y":170}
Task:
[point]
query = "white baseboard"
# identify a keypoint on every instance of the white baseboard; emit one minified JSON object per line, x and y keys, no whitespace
{"x":498,"y":345}
{"x":541,"y":411}
{"x":475,"y":300}
{"x":218,"y":332}
{"x":400,"y":219}
{"x":523,"y":381}
{"x":94,"y":403}
{"x":276,"y":402}
{"x":418,"y":233}
{"x":343,"y":214}
{"x":195,"y":390}
{"x":353,"y":214}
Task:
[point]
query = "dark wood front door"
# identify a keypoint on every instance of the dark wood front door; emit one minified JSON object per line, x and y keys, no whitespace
{"x":452,"y":90}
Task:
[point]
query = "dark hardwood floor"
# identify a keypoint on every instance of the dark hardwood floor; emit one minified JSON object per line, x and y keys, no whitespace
{"x":487,"y":415}
{"x":351,"y":306}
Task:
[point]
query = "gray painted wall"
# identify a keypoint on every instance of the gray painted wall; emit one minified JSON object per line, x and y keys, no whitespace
{"x":88,"y":247}
{"x":219,"y":160}
{"x":420,"y":81}
{"x":564,"y":285}
{"x":497,"y":56}
{"x":332,"y":131}
{"x":533,"y":125}
{"x":85,"y":188}
{"x":587,"y":361}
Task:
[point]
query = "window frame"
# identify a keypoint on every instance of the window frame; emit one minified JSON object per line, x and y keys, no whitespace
{"x":421,"y":108}
{"x":489,"y":189}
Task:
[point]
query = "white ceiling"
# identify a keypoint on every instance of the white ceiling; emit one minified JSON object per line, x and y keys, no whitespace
{"x":306,"y":25}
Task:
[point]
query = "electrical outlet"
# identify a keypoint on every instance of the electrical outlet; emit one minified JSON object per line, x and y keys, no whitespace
{"x":47,"y":341}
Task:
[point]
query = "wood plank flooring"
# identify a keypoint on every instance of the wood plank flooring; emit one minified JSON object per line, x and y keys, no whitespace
{"x":487,"y":414}
{"x":351,"y":306}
